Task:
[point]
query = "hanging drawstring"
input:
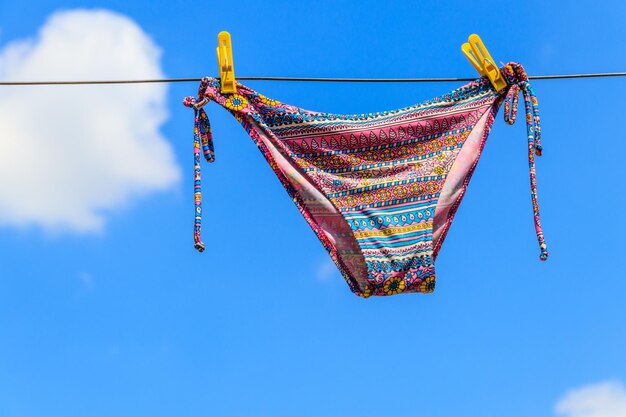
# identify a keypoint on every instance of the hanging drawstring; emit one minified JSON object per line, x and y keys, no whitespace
{"x":202,"y":137}
{"x":518,"y":79}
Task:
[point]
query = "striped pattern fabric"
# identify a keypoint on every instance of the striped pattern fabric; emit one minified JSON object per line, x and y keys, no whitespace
{"x":380,"y":190}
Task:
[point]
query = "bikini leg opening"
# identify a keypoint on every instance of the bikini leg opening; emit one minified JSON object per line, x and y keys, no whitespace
{"x":327,"y":222}
{"x":458,"y":178}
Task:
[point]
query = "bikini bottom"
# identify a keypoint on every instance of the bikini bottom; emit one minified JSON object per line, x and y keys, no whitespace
{"x":379,"y":190}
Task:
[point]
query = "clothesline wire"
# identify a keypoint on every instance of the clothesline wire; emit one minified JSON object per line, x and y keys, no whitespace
{"x":309,"y":79}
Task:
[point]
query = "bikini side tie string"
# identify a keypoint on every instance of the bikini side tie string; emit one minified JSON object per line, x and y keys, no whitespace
{"x":202,"y":137}
{"x":518,"y":80}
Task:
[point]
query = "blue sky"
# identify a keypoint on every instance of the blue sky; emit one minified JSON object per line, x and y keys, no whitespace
{"x":107,"y":310}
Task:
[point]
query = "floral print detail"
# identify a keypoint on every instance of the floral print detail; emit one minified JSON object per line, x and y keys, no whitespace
{"x":394,"y":285}
{"x":367,"y":292}
{"x":450,"y":140}
{"x":268,"y":101}
{"x":236,"y":102}
{"x":431,"y":187}
{"x":427,"y":285}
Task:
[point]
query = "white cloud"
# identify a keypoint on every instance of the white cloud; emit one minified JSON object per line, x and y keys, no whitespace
{"x":605,"y":399}
{"x":69,"y":155}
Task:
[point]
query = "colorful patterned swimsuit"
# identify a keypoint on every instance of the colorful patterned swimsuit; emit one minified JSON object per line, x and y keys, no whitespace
{"x":379,"y":190}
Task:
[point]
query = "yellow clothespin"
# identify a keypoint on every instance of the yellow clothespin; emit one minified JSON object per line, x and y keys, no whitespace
{"x":480,"y":58}
{"x":225,"y":63}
